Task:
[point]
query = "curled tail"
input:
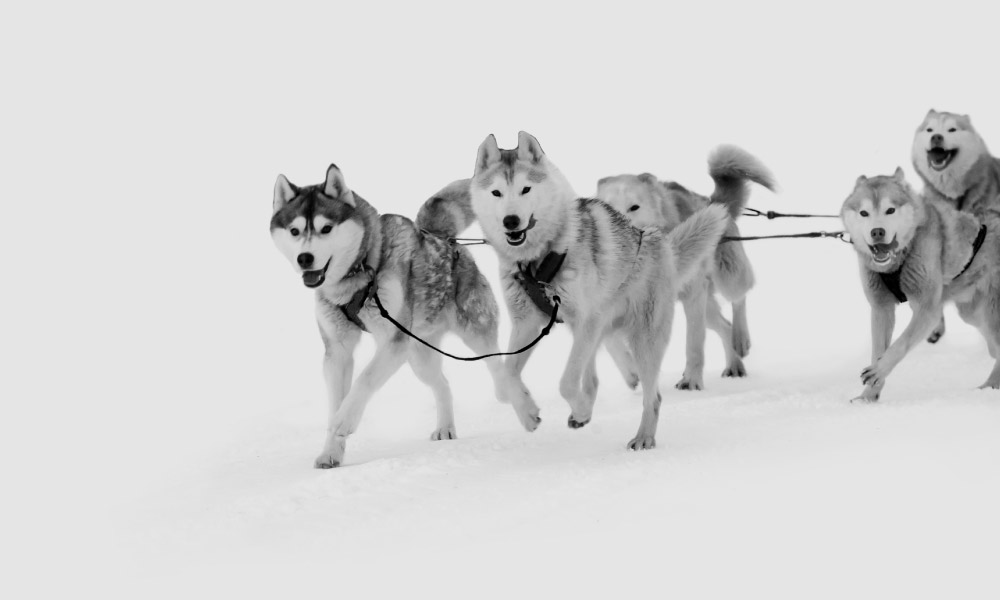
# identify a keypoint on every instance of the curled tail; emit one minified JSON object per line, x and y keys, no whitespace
{"x":694,"y":240}
{"x":731,"y":168}
{"x":448,"y":212}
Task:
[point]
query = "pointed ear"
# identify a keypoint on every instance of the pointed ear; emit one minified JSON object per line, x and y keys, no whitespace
{"x":931,"y":112}
{"x":899,"y":175}
{"x":489,"y":154}
{"x":647,"y":178}
{"x":335,"y":186}
{"x":283,"y":192}
{"x":861,"y":180}
{"x":528,"y":147}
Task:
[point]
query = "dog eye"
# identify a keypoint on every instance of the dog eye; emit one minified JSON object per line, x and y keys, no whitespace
{"x":295,"y":232}
{"x":634,"y":208}
{"x":952,"y":130}
{"x":930,"y":130}
{"x":326,"y":228}
{"x":864,"y":213}
{"x":890,"y":211}
{"x":497,"y":193}
{"x":526,"y":189}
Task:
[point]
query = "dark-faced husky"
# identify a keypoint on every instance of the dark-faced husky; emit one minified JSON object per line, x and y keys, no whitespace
{"x":647,"y":202}
{"x":925,"y":252}
{"x":343,"y":249}
{"x":614,"y":282}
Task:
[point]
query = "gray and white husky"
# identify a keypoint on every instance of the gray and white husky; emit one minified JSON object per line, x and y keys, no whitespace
{"x":616,"y":283}
{"x":342,"y":247}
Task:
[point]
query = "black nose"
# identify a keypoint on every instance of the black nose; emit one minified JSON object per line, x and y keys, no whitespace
{"x":511,"y":221}
{"x":305,"y":260}
{"x":937,"y":139}
{"x":878,"y":234}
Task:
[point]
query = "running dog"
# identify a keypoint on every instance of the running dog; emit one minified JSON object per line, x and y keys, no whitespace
{"x":952,"y":159}
{"x":611,"y":281}
{"x":343,"y":249}
{"x":648,"y":202}
{"x":927,"y":252}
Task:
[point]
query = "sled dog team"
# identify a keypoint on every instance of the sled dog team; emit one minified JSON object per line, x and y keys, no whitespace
{"x":613,"y":268}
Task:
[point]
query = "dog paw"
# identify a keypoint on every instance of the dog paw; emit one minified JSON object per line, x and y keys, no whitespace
{"x":444,"y":433}
{"x":641,"y":442}
{"x":632,"y":381}
{"x":934,"y":337}
{"x":990,"y":384}
{"x":689,"y":383}
{"x":327,"y":461}
{"x":574,"y":423}
{"x":867,"y":397}
{"x":736,"y":369}
{"x":873,"y":376}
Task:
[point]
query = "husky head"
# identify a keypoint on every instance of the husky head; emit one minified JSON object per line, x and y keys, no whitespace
{"x":945,"y":149}
{"x":637,"y":197}
{"x":519,"y":198}
{"x":318,"y":227}
{"x":882,"y":215}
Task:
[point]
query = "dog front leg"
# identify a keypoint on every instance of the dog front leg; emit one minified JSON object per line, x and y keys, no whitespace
{"x":338,"y":366}
{"x":586,"y":340}
{"x":694,"y":311}
{"x":925,"y":317}
{"x":389,"y":356}
{"x":883,"y":321}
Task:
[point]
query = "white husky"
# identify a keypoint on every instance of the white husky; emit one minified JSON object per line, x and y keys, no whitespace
{"x":615,"y":282}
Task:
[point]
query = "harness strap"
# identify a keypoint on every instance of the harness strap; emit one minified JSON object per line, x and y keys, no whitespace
{"x":535,"y":284}
{"x":891,"y":280}
{"x":976,"y":245}
{"x":353,"y":306}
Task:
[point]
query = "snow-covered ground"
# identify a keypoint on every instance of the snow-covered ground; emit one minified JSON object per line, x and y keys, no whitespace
{"x":162,"y":389}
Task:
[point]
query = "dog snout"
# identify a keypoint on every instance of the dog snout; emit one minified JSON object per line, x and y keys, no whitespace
{"x":878,"y":235}
{"x":937,"y":140}
{"x":511,"y":222}
{"x":305,"y":260}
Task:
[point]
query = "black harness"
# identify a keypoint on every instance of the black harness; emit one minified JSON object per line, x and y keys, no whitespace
{"x":891,"y":280}
{"x":357,"y":301}
{"x":535,"y":282}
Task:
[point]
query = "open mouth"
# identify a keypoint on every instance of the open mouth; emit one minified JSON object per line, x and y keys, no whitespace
{"x":939,"y":158}
{"x":315,"y":278}
{"x":516,"y":238}
{"x":882,"y":253}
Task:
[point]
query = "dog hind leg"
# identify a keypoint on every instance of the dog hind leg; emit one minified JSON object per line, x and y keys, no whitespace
{"x":649,"y":346}
{"x":618,"y":349}
{"x":718,"y":323}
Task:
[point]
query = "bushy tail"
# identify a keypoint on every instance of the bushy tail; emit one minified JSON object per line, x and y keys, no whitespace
{"x":694,"y":240}
{"x":731,"y":168}
{"x":448,"y":212}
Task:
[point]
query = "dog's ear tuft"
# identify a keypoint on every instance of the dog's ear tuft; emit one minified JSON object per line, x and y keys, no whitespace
{"x":648,"y":178}
{"x":931,"y":113}
{"x":861,"y":181}
{"x":336,"y":187}
{"x":489,"y":154}
{"x":528,"y":147}
{"x":899,"y":175}
{"x":283,"y":192}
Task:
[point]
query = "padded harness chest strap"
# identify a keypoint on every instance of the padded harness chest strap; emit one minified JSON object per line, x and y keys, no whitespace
{"x":891,"y":280}
{"x":535,"y":283}
{"x":357,"y":301}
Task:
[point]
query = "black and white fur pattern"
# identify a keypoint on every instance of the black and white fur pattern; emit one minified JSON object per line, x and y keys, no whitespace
{"x":427,"y":283}
{"x":615,"y":284}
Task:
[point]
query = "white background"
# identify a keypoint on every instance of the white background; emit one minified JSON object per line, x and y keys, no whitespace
{"x":162,"y":390}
